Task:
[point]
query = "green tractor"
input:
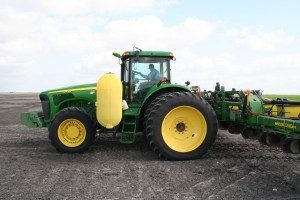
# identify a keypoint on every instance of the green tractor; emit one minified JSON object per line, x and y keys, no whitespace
{"x":178,"y":124}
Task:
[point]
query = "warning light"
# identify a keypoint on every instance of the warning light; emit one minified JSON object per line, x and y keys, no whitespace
{"x":248,"y":92}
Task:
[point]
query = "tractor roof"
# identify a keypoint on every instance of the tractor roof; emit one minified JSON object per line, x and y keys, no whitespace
{"x":127,"y":54}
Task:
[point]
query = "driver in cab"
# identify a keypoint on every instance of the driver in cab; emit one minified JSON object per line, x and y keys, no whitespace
{"x":153,"y":76}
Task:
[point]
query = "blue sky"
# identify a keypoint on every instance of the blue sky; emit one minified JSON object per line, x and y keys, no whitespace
{"x":242,"y":44}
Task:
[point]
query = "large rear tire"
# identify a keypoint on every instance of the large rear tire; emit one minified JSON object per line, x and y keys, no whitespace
{"x":181,"y":126}
{"x":146,"y":116}
{"x":72,"y":130}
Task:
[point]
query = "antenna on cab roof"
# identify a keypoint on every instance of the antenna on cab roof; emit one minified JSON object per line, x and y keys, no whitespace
{"x":137,"y":48}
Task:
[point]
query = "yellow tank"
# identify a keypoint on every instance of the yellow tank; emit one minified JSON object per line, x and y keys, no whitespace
{"x":289,"y":110}
{"x":274,"y":110}
{"x":109,"y":100}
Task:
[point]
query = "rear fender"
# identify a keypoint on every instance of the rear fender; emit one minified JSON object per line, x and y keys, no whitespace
{"x":157,"y":90}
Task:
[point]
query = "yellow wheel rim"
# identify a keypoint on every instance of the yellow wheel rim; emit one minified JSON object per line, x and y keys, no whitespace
{"x":71,"y":132}
{"x":184,"y":129}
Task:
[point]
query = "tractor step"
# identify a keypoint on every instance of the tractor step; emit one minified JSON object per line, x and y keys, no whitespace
{"x":127,"y":138}
{"x":128,"y":129}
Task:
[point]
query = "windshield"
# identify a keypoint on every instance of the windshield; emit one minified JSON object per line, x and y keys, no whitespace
{"x":146,"y":72}
{"x":148,"y":65}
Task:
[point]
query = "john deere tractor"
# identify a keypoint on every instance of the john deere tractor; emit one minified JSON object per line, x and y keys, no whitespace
{"x":178,"y":124}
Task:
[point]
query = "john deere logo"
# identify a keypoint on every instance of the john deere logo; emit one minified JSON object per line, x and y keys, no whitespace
{"x":282,"y":124}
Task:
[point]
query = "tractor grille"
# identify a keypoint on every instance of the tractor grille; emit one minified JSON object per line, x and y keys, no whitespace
{"x":45,"y":106}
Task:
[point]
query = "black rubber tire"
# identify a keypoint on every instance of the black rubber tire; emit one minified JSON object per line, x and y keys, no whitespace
{"x":72,"y":113}
{"x":263,"y":139}
{"x":288,"y":148}
{"x":158,"y":112}
{"x":148,"y":110}
{"x":146,"y":115}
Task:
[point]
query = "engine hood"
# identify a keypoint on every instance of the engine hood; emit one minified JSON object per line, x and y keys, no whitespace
{"x":82,"y":87}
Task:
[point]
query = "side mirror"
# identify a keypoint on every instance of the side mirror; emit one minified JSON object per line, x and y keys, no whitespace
{"x":187,"y":83}
{"x":116,"y":54}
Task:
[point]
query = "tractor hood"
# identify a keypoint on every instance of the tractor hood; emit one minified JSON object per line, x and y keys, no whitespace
{"x":83,"y":87}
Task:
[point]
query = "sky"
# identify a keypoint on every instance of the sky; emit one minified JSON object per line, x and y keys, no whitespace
{"x":241,"y":44}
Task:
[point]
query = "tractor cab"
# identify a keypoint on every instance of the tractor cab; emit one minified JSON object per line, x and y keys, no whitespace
{"x":141,"y":70}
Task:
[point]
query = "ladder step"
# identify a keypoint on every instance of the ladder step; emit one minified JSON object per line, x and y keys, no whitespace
{"x":127,"y":138}
{"x":129,"y":123}
{"x":128,"y":129}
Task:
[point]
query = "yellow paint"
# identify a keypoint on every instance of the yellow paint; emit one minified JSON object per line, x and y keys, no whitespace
{"x":71,"y":133}
{"x":184,"y":129}
{"x":282,"y":124}
{"x":269,"y":106}
{"x":73,"y":90}
{"x":233,"y":108}
{"x":109,"y":100}
{"x":290,"y":110}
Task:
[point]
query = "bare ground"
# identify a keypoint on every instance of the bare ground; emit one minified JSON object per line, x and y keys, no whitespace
{"x":234,"y":168}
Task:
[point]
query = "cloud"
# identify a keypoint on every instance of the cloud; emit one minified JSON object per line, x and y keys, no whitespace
{"x":89,"y":7}
{"x":278,"y":61}
{"x":260,"y":41}
{"x":151,"y":32}
{"x":124,"y":34}
{"x":40,"y":40}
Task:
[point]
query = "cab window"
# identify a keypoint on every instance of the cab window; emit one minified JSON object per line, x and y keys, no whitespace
{"x":146,"y":72}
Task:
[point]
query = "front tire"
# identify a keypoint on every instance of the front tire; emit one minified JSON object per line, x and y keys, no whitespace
{"x":181,"y":126}
{"x":72,"y":130}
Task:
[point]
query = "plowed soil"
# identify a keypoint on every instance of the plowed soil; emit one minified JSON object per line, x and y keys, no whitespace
{"x":235,"y":168}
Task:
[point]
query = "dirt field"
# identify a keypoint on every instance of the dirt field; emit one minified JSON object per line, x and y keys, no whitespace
{"x":235,"y":168}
